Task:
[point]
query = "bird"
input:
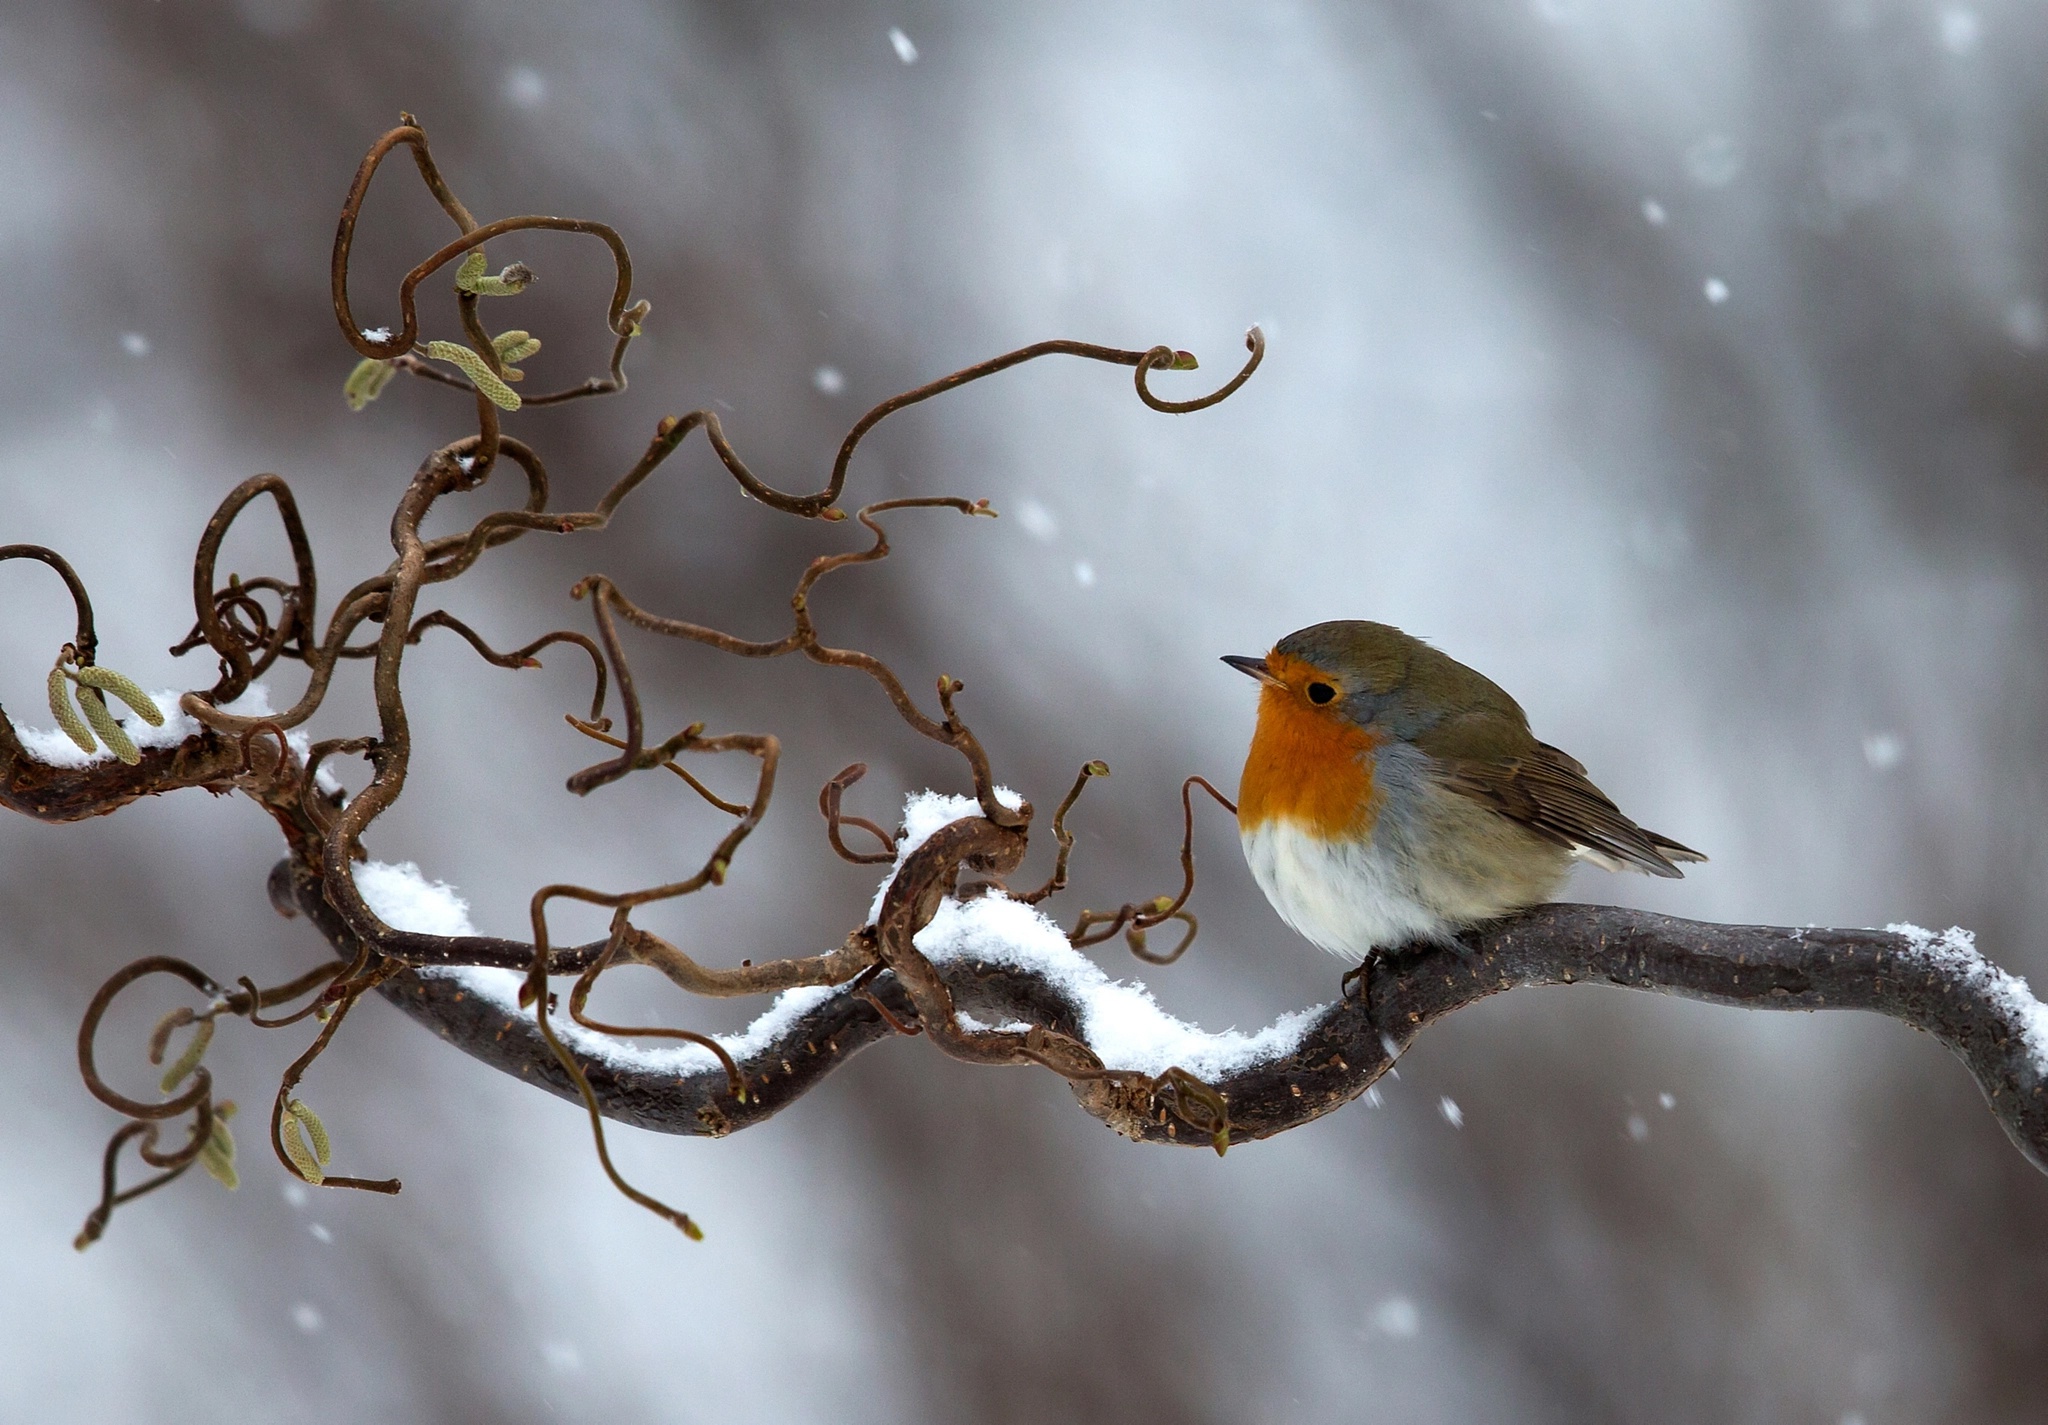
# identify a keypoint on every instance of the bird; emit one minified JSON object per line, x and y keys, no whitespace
{"x":1393,"y":796}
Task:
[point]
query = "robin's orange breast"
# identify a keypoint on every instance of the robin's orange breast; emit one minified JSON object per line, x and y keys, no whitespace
{"x":1309,"y":767}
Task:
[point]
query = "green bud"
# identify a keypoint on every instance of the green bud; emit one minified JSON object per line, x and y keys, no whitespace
{"x":126,"y":689}
{"x":195,"y":1050}
{"x":367,"y":382}
{"x":218,"y":1156}
{"x":66,"y":715}
{"x":479,"y":373}
{"x":473,"y":265}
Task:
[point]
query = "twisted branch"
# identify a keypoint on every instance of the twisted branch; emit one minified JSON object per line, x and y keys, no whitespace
{"x":1347,"y":1045}
{"x":1032,"y":1006}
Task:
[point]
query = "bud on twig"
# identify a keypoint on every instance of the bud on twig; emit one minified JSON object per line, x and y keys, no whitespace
{"x":367,"y":382}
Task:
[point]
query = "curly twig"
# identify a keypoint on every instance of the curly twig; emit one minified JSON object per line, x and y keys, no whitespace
{"x":1135,"y":920}
{"x":86,"y":641}
{"x":829,"y":797}
{"x":324,"y":832}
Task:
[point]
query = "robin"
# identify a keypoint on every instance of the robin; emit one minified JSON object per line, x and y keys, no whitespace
{"x":1394,"y":795}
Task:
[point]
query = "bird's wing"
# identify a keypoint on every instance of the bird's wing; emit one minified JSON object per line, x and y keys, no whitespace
{"x":1546,"y":790}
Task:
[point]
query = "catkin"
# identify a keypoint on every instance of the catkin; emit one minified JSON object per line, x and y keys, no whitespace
{"x":302,"y":1157}
{"x":480,"y":374}
{"x":66,"y":715}
{"x":95,"y":709}
{"x":509,"y":283}
{"x":195,"y":1050}
{"x":472,"y":276}
{"x":126,"y":689}
{"x":515,"y":346}
{"x":315,"y":1129}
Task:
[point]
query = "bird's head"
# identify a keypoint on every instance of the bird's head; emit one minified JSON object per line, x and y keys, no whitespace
{"x":1353,"y":672}
{"x":1343,"y":670}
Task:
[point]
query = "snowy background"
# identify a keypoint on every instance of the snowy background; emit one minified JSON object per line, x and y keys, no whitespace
{"x":1680,"y":366}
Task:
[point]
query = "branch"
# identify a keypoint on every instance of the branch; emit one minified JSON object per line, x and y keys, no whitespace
{"x":1308,"y":1065}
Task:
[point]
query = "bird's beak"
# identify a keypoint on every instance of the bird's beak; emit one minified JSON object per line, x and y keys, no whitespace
{"x":1252,"y":667}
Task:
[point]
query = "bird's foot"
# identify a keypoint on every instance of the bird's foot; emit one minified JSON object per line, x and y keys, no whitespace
{"x":1357,"y":984}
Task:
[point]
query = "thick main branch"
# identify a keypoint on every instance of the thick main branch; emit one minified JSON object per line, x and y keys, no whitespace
{"x":1348,"y":1044}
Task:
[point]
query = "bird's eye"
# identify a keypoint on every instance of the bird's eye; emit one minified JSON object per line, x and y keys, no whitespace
{"x":1320,"y":693}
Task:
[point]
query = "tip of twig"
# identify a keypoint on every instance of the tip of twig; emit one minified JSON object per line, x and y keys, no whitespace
{"x":1184,"y":361}
{"x":832,"y":513}
{"x":691,"y":1230}
{"x":1097,"y":768}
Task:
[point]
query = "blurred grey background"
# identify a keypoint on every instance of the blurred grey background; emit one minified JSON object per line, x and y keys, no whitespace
{"x":1677,"y":365}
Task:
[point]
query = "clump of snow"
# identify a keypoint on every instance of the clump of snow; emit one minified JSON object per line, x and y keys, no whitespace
{"x":1953,"y":953}
{"x":406,"y":900}
{"x":255,"y":702}
{"x":501,"y":988}
{"x":1120,"y":1021}
{"x":376,"y":333}
{"x":923,"y":814}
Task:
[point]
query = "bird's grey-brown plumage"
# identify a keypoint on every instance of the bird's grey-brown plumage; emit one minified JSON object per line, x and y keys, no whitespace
{"x":1485,"y":751}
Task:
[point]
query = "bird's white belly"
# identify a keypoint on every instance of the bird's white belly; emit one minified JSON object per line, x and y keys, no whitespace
{"x":1348,"y":897}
